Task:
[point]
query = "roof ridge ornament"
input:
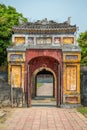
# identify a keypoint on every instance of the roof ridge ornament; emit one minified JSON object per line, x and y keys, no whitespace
{"x":20,"y":19}
{"x":68,"y":21}
{"x":44,"y":21}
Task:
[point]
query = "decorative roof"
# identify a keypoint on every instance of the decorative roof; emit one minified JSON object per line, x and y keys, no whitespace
{"x":45,"y":26}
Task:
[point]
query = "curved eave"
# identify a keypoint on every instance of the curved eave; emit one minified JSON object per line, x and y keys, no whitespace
{"x":44,"y":30}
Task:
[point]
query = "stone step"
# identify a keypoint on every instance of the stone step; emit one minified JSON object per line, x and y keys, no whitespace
{"x":43,"y":100}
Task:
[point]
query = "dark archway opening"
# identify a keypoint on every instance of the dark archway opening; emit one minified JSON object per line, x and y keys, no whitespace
{"x":44,"y":93}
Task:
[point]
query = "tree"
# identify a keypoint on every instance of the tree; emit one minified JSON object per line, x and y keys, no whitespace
{"x":8,"y":18}
{"x":82,"y":40}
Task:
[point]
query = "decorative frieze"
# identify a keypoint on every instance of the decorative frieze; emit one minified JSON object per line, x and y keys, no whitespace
{"x":71,"y":57}
{"x":68,"y":40}
{"x":44,"y":40}
{"x":57,"y":40}
{"x":14,"y":57}
{"x":71,"y":99}
{"x":19,"y":40}
{"x":30,"y":40}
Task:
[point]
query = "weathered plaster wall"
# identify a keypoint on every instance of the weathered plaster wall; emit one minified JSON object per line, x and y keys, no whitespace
{"x":47,"y":58}
{"x":43,"y":58}
{"x":33,"y":53}
{"x":16,"y":69}
{"x":72,"y":92}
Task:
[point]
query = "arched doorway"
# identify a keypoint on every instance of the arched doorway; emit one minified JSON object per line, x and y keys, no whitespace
{"x":43,"y":65}
{"x":45,"y":78}
{"x":43,"y":92}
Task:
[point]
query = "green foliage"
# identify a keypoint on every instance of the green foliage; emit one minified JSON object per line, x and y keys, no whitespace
{"x":82,"y":110}
{"x":8,"y":18}
{"x":39,"y":84}
{"x":82,"y":40}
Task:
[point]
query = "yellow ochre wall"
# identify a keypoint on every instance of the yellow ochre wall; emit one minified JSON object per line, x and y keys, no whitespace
{"x":16,"y":69}
{"x":72,"y":95}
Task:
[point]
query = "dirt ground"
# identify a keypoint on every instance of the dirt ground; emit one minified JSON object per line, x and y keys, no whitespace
{"x":5,"y":113}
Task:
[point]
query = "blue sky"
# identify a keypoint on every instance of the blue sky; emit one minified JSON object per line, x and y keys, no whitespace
{"x":58,"y":10}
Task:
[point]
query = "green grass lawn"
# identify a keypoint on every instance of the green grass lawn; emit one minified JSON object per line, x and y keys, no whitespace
{"x":82,"y":110}
{"x":39,"y":84}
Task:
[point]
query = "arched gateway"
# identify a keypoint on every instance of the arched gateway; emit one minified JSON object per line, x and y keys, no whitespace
{"x":44,"y":62}
{"x":45,"y":47}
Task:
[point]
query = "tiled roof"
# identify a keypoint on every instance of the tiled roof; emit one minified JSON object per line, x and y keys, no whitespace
{"x":41,"y":25}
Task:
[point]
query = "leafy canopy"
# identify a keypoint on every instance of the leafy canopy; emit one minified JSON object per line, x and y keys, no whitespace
{"x":82,"y":40}
{"x":8,"y":18}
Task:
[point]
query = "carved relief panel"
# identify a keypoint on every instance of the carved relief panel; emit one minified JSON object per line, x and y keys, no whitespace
{"x":16,"y":76}
{"x":68,"y":40}
{"x":71,"y":74}
{"x":19,"y":40}
{"x":30,"y":40}
{"x":57,"y":40}
{"x":43,"y":40}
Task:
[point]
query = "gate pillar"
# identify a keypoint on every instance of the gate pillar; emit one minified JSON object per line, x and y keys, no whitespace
{"x":58,"y":87}
{"x":28,"y":91}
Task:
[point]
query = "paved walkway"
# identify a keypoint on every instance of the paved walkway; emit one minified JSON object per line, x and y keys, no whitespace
{"x":45,"y":90}
{"x":45,"y":118}
{"x":44,"y":96}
